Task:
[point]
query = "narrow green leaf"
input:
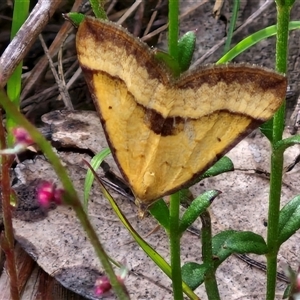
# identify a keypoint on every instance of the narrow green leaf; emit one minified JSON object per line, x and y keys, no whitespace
{"x":186,"y":197}
{"x":290,"y":289}
{"x":197,"y":207}
{"x":74,"y":17}
{"x":20,"y":14}
{"x":221,"y":166}
{"x":89,"y":179}
{"x":252,"y":40}
{"x":155,"y":256}
{"x":168,"y":61}
{"x":193,"y":274}
{"x":289,"y":220}
{"x":186,"y":47}
{"x":267,"y":130}
{"x":160,"y":211}
{"x":287,"y":292}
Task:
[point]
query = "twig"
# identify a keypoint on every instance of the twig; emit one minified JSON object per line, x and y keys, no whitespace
{"x":162,"y":28}
{"x":43,"y":62}
{"x":153,"y":16}
{"x":61,"y":86}
{"x":25,"y":37}
{"x":131,"y":9}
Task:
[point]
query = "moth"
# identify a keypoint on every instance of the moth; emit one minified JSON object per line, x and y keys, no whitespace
{"x":164,"y":132}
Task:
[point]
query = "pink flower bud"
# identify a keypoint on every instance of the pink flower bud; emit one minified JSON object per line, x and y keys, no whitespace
{"x":48,"y":193}
{"x":22,"y":136}
{"x":102,"y":284}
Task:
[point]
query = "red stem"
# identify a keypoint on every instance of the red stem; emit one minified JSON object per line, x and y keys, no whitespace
{"x":7,"y":240}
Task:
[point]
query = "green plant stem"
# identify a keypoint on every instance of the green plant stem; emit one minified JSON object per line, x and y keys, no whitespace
{"x":174,"y":234}
{"x":273,"y":218}
{"x":210,"y":281}
{"x":98,"y":9}
{"x":71,"y":195}
{"x":283,"y":16}
{"x":21,"y":8}
{"x":173,"y":28}
{"x":236,"y":7}
{"x":174,"y":237}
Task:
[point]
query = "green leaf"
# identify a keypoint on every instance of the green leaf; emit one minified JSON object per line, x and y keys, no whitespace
{"x":230,"y":241}
{"x":246,"y":242}
{"x":168,"y":61}
{"x":218,"y":242}
{"x":89,"y":179}
{"x":221,"y":166}
{"x":193,"y":274}
{"x":267,"y":130}
{"x":289,"y":220}
{"x":160,"y":211}
{"x":14,"y":83}
{"x":290,"y":289}
{"x":186,"y":197}
{"x":197,"y":207}
{"x":252,"y":40}
{"x":74,"y":18}
{"x":186,"y":47}
{"x":287,"y":292}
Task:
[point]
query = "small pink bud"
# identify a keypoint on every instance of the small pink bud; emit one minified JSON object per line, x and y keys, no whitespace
{"x":48,"y":193}
{"x":22,"y":136}
{"x":102,"y":284}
